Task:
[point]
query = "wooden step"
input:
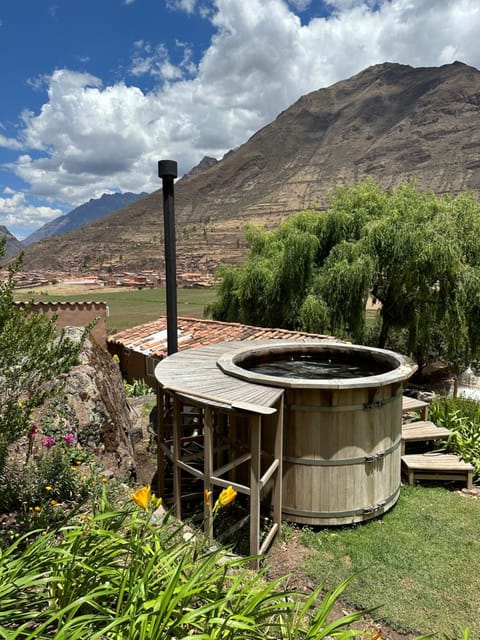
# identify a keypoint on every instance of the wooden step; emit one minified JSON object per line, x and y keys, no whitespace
{"x":413,"y":404}
{"x":437,"y":466}
{"x":422,"y":431}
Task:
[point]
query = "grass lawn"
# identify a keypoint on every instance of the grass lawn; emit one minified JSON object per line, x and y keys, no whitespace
{"x":420,"y":563}
{"x":127,"y":307}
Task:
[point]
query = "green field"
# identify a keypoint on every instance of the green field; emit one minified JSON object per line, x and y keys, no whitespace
{"x":128,"y":307}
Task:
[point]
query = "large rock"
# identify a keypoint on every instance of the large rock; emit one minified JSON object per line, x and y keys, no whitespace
{"x":93,"y":406}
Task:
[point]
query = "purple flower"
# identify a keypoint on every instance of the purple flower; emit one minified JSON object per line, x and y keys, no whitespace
{"x":69,"y":439}
{"x":48,"y":442}
{"x":32,"y":432}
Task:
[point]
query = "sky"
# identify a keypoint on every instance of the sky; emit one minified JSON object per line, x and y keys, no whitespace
{"x":94,"y":92}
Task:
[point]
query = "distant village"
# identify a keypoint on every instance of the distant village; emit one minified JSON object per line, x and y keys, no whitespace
{"x":141,"y":280}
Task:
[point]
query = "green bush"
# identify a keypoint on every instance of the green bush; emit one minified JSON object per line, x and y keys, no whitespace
{"x":462,"y":417}
{"x":137,"y":388}
{"x":121,"y":575}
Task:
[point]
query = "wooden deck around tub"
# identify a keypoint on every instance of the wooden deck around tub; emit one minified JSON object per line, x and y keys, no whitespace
{"x":195,"y":373}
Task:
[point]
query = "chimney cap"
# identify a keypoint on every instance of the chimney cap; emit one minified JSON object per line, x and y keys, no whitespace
{"x":167,"y":169}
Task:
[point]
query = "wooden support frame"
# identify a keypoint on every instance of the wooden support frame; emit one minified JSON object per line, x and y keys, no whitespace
{"x":213,"y":477}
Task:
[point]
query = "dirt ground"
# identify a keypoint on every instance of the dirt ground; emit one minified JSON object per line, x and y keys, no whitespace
{"x":285,"y":559}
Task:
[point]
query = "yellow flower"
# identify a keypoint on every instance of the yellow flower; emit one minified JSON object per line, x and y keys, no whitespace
{"x":141,"y":497}
{"x":226,"y":496}
{"x":73,"y":469}
{"x":156,"y":502}
{"x":37,"y":509}
{"x":104,"y":479}
{"x":53,"y":502}
{"x":48,"y":488}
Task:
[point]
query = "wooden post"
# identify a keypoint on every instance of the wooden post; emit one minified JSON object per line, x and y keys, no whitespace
{"x":255,"y":423}
{"x":208,"y":468}
{"x":177,"y":474}
{"x":278,"y":455}
{"x":160,"y":438}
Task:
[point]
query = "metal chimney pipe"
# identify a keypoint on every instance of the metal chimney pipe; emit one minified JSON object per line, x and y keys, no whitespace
{"x":167,"y":170}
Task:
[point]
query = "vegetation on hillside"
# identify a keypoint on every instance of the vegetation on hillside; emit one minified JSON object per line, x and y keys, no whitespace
{"x":417,"y":254}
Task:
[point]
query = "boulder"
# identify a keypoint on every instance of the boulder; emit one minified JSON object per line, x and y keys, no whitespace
{"x":92,"y":405}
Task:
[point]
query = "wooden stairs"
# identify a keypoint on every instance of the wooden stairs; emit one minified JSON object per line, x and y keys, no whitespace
{"x":430,"y":465}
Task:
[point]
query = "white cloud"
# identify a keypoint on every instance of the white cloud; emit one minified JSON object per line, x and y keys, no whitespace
{"x":15,"y":211}
{"x":89,"y":138}
{"x":182,"y":5}
{"x":300,"y":5}
{"x":9,"y":143}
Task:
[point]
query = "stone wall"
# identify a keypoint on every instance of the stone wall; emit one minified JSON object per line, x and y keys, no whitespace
{"x":77,"y":314}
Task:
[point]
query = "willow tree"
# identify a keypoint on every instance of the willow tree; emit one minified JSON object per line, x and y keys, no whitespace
{"x":415,"y":253}
{"x":271,"y":286}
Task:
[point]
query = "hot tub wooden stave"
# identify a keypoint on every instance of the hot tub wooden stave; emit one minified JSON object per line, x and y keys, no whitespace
{"x":341,"y":460}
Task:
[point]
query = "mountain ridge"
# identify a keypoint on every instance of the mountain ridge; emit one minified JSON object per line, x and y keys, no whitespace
{"x":84,"y":214}
{"x":391,"y":121}
{"x":12,"y":245}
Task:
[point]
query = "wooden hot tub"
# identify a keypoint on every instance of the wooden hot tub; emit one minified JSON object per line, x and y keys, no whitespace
{"x":342,"y":435}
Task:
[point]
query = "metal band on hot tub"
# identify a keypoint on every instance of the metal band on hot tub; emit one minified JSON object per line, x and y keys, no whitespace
{"x":317,"y":462}
{"x":344,"y":514}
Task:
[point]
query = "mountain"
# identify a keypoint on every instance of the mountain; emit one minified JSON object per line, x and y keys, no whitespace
{"x":391,"y":121}
{"x":84,"y":214}
{"x":205,"y":163}
{"x":12,"y":245}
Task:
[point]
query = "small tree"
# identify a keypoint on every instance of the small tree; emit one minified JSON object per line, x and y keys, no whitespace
{"x":30,"y":355}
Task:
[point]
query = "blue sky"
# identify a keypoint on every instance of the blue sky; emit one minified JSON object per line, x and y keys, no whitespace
{"x":95,"y":92}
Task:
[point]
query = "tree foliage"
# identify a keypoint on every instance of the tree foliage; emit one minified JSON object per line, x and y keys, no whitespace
{"x":30,"y":355}
{"x":415,"y":253}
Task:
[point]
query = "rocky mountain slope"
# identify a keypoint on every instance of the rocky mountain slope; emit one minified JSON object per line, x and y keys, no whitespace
{"x":391,"y":121}
{"x":92,"y":210}
{"x":12,"y":245}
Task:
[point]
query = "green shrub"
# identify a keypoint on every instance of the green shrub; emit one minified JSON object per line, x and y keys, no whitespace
{"x":119,"y":575}
{"x":137,"y":388}
{"x":462,"y":417}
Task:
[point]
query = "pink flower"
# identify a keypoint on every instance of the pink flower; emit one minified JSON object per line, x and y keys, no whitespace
{"x":69,"y":439}
{"x":32,"y":432}
{"x":48,"y":442}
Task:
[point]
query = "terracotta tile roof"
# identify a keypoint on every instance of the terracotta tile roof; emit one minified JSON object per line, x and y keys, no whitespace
{"x":151,"y":338}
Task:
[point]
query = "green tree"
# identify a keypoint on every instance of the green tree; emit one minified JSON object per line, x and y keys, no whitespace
{"x":416,"y":253}
{"x":30,"y":355}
